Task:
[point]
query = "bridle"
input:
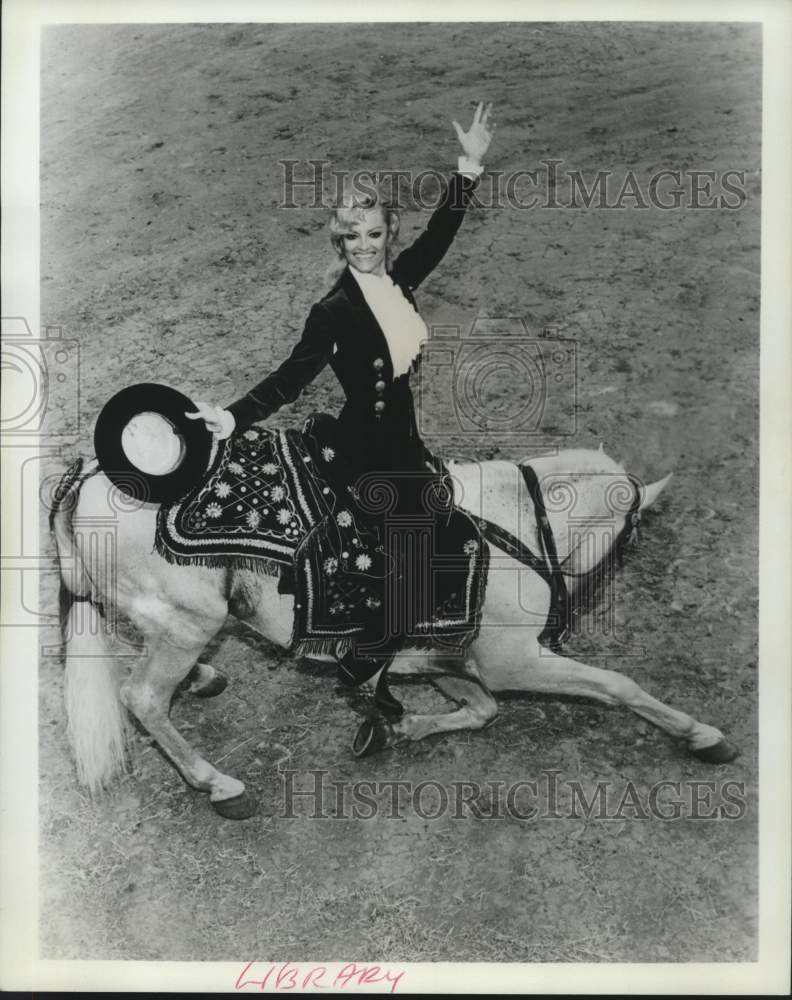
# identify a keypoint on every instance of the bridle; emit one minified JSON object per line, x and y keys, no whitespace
{"x":629,"y":534}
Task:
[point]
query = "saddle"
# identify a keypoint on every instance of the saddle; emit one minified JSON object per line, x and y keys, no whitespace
{"x":282,"y":502}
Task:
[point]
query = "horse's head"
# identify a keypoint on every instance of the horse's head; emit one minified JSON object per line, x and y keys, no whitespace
{"x":593,"y":505}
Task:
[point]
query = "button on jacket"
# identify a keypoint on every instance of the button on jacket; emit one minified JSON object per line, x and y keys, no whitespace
{"x":377,"y":426}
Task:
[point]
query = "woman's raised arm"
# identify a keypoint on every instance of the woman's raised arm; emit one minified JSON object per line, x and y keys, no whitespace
{"x":422,"y":257}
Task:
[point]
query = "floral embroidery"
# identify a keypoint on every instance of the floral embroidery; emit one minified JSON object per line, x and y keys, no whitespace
{"x":214,"y":510}
{"x":253,"y":519}
{"x":222,"y":490}
{"x":251,"y":435}
{"x":236,"y":468}
{"x":330,"y":565}
{"x":363,"y":561}
{"x":269,"y":468}
{"x":470,"y":547}
{"x":328,"y":454}
{"x":284,"y":515}
{"x":344,"y":518}
{"x":373,"y":602}
{"x":278,"y":493}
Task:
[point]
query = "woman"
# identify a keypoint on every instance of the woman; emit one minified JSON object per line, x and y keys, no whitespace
{"x":368,"y":329}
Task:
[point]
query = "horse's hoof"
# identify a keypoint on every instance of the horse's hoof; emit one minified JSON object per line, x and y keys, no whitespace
{"x":237,"y":807}
{"x":373,"y":735}
{"x":719,"y":753}
{"x":214,"y":687}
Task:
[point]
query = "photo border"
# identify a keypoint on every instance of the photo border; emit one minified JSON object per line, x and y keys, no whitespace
{"x":19,"y":962}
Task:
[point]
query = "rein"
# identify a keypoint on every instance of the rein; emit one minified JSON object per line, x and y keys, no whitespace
{"x":547,"y":565}
{"x":556,"y":631}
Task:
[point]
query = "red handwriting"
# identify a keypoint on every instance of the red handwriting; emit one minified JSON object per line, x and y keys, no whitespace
{"x":286,"y":976}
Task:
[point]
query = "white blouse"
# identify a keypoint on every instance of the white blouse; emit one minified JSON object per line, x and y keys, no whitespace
{"x":403,"y":327}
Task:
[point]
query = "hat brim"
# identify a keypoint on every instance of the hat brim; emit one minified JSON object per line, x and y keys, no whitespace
{"x":151,"y":397}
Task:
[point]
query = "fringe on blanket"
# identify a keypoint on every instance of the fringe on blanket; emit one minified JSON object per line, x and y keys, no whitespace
{"x":257,"y":564}
{"x":337,"y":647}
{"x":315,"y":647}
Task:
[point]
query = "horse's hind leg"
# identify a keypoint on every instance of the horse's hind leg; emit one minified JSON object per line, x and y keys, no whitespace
{"x":477,"y":709}
{"x":147,"y":694}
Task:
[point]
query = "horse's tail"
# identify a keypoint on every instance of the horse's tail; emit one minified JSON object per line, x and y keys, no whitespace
{"x":97,"y":724}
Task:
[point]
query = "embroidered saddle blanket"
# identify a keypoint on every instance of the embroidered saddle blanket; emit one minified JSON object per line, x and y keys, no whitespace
{"x":273,"y":499}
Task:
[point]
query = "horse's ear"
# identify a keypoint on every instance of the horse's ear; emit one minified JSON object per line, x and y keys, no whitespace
{"x":651,"y":492}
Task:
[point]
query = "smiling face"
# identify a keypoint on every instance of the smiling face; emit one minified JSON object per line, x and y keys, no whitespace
{"x":364,"y":241}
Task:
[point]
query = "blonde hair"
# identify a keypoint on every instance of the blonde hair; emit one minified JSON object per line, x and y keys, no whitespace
{"x":349,"y":208}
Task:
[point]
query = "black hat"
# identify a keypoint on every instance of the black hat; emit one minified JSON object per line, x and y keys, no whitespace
{"x":147,"y":447}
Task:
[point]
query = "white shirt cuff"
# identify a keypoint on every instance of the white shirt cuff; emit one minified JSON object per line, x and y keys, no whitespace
{"x":227,"y":424}
{"x":469,"y":167}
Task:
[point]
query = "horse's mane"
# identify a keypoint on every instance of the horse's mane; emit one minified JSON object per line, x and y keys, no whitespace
{"x":590,"y":590}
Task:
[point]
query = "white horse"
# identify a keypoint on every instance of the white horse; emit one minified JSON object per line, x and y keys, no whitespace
{"x":109,"y":568}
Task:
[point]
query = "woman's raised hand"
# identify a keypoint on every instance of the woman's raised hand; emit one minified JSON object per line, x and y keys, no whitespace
{"x":475,"y":142}
{"x":219,"y":422}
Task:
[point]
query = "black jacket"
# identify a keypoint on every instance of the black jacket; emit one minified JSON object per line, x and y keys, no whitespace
{"x":341,"y":331}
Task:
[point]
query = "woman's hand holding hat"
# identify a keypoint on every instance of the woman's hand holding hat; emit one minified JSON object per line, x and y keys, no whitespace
{"x":220,"y":422}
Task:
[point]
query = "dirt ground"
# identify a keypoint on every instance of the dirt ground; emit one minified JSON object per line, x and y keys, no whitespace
{"x":165,"y":256}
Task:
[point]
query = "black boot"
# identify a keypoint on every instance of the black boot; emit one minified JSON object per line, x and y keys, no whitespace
{"x":354,"y":669}
{"x":390,"y":707}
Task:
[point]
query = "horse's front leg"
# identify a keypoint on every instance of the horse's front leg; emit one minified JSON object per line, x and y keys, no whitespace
{"x":147,"y":694}
{"x":510,"y":658}
{"x":549,"y":673}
